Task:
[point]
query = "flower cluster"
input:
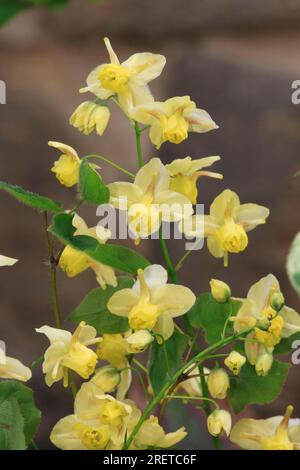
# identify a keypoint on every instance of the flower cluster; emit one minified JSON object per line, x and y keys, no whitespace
{"x":124,"y":316}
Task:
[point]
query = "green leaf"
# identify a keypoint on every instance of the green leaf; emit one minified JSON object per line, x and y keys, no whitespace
{"x":249,"y":388}
{"x":31,"y":416}
{"x":286,"y":344}
{"x":12,"y":435}
{"x":165,"y":359}
{"x":94,"y":312}
{"x":9,"y":8}
{"x":31,"y":199}
{"x":119,"y":257}
{"x":91,"y":187}
{"x":211,"y":315}
{"x":293,"y":264}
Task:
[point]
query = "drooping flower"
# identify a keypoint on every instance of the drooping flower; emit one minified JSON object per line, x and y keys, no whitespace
{"x":173,"y":119}
{"x":228,"y":222}
{"x":277,"y":433}
{"x":127,"y":80}
{"x":66,"y":168}
{"x":270,"y":325}
{"x":235,"y":361}
{"x":90,"y":116}
{"x":263,"y":363}
{"x":218,"y":383}
{"x":73,"y":261}
{"x":11,"y":368}
{"x":192,"y":385}
{"x":6,"y":261}
{"x":67,"y":351}
{"x":185,"y":173}
{"x":152,"y":303}
{"x":148,"y":200}
{"x":151,"y":434}
{"x":219,"y":421}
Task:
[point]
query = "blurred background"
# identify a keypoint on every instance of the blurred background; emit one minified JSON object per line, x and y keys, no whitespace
{"x":237,"y":60}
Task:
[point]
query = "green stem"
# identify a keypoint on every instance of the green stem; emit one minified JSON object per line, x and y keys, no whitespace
{"x":184,"y":397}
{"x":38,"y":361}
{"x":72,"y":383}
{"x":140,"y":365}
{"x":227,"y":320}
{"x":138,"y":144}
{"x":170,"y":268}
{"x":53,"y":264}
{"x":201,"y":356}
{"x":115,"y":165}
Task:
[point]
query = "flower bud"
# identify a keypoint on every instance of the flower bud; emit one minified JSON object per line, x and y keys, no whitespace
{"x":89,"y":116}
{"x":220,"y":291}
{"x":277,"y":301}
{"x":235,"y":361}
{"x":219,"y":421}
{"x":264,"y":363}
{"x":139,"y":340}
{"x":107,"y":378}
{"x":218,"y":383}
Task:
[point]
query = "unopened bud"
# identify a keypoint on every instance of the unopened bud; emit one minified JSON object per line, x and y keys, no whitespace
{"x":89,"y":116}
{"x":139,"y":340}
{"x":219,"y":421}
{"x":220,"y":291}
{"x":218,"y":383}
{"x":277,"y":301}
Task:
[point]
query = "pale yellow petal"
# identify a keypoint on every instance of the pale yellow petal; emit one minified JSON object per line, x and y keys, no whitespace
{"x":120,"y":192}
{"x":176,"y":299}
{"x":251,"y":215}
{"x":55,"y":334}
{"x":291,"y":321}
{"x":86,"y":334}
{"x":200,"y":121}
{"x":262,"y":290}
{"x":14,"y":369}
{"x":153,"y":174}
{"x":224,"y":204}
{"x":215,"y":247}
{"x":149,"y":113}
{"x":112,"y":55}
{"x":164,"y":327}
{"x":6,"y":261}
{"x":64,"y":149}
{"x":145,"y":66}
{"x":172,"y":438}
{"x":122,"y":301}
{"x":246,"y":428}
{"x":64,"y":435}
{"x":105,"y":275}
{"x":154,"y":275}
{"x":173,"y":206}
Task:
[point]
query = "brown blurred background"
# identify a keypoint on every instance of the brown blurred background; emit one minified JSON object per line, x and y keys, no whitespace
{"x":236,"y":59}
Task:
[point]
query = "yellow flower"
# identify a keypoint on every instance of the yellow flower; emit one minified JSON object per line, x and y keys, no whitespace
{"x":171,"y":120}
{"x":235,"y":361}
{"x":218,"y":383}
{"x":151,"y":434}
{"x":228,"y":222}
{"x":73,"y":261}
{"x":264,"y":363}
{"x":219,"y":421}
{"x":220,"y":291}
{"x":128,"y":80}
{"x":277,"y":433}
{"x":113,"y":348}
{"x":139,"y":341}
{"x":11,"y":368}
{"x":152,"y":303}
{"x":6,"y":261}
{"x":89,"y":116}
{"x":66,"y":168}
{"x":185,"y":173}
{"x":148,"y":200}
{"x":271,"y":325}
{"x":67,"y":351}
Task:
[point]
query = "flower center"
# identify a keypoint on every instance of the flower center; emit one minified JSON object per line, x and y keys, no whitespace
{"x":112,"y":413}
{"x":93,"y":438}
{"x":114,"y":77}
{"x":232,"y":236}
{"x":272,"y":336}
{"x":174,"y":128}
